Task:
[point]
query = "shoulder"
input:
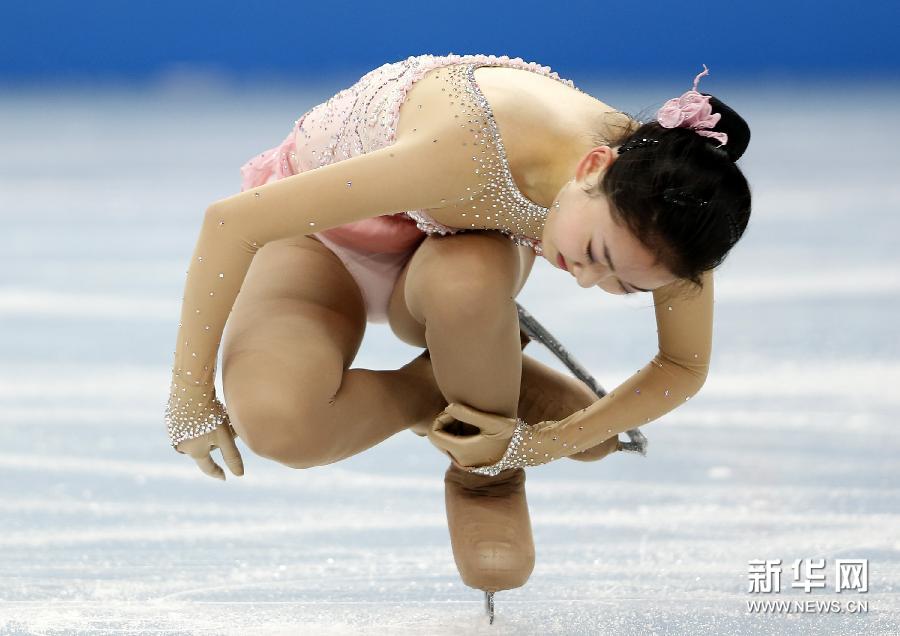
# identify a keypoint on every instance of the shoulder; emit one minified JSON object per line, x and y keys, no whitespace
{"x":446,"y":99}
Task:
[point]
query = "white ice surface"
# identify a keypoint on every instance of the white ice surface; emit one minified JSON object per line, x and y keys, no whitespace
{"x":789,"y":451}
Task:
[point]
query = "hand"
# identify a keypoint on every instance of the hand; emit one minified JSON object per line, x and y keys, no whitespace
{"x":471,"y":437}
{"x":200,"y":447}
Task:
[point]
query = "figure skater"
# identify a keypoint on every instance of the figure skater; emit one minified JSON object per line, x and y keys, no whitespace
{"x":420,"y":196}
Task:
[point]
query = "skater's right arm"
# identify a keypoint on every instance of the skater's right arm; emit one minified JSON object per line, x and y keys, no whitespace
{"x":414,"y":173}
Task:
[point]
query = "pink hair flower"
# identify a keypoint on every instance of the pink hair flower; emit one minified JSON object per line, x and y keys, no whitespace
{"x":692,"y":110}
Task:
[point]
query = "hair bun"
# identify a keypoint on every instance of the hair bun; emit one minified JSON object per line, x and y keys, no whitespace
{"x":732,"y":125}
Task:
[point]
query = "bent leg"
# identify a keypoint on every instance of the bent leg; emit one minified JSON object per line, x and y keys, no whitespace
{"x":461,"y":288}
{"x":544,"y":393}
{"x":295,"y":328}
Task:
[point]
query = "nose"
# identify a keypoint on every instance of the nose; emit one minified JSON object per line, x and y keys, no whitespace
{"x":588,"y":276}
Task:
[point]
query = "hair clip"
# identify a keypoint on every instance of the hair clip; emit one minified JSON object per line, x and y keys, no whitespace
{"x":688,"y":200}
{"x":683,"y":198}
{"x":637,"y":143}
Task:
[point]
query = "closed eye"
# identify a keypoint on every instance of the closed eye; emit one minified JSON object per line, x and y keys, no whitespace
{"x":590,"y":259}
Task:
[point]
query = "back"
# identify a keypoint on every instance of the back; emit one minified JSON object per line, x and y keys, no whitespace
{"x":390,"y":103}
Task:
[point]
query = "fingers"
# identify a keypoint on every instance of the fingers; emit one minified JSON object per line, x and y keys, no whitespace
{"x":470,"y":450}
{"x":230,"y":453}
{"x":199,"y":448}
{"x":208,"y":466}
{"x":489,"y":423}
{"x":444,"y":417}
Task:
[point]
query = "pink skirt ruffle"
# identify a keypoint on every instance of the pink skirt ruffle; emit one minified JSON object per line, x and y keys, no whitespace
{"x":374,"y":250}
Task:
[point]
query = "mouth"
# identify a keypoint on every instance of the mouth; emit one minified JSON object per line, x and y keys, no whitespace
{"x":561,"y":262}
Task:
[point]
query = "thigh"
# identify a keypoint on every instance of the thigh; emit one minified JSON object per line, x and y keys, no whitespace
{"x":296,"y":326}
{"x":442,"y":263}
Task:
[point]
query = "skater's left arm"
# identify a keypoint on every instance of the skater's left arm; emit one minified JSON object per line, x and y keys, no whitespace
{"x":684,"y":319}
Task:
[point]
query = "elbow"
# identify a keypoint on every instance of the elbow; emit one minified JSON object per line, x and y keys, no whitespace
{"x":215,"y":217}
{"x":225,"y":224}
{"x":701,"y":380}
{"x":212,"y":210}
{"x":695,"y":372}
{"x":693,"y":383}
{"x":698,"y":374}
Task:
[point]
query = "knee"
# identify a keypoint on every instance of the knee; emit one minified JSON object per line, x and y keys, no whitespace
{"x":467,"y":276}
{"x":279,"y":427}
{"x":475,"y":295}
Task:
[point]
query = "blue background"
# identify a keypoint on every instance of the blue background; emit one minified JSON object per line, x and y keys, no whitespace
{"x":43,"y":40}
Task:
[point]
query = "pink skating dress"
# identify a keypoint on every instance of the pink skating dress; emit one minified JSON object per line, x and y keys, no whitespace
{"x":363,"y":118}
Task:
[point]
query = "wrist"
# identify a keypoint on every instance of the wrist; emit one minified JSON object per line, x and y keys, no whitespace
{"x":533,"y":445}
{"x":513,"y":457}
{"x":192,"y":411}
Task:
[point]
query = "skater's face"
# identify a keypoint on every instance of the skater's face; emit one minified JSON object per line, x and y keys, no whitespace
{"x":597,"y":249}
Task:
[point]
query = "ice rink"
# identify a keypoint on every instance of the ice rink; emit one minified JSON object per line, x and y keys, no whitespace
{"x":790,"y":451}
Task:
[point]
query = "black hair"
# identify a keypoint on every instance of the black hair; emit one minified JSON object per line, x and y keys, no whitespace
{"x":687,"y":238}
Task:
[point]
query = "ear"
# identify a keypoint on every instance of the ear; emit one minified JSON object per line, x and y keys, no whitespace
{"x":596,"y":161}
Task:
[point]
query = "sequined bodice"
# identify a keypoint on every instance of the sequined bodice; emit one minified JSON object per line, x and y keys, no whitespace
{"x":364,"y":117}
{"x":515,"y":213}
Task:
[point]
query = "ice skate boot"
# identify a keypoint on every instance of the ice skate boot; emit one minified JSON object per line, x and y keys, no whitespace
{"x":490,"y":530}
